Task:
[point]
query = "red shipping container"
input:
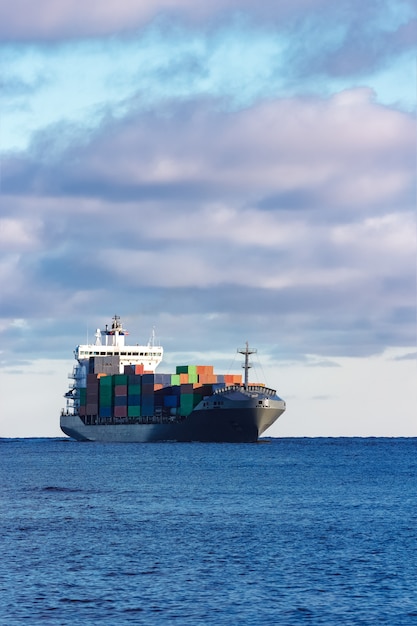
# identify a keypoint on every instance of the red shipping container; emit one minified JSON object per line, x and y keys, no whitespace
{"x":183,"y":379}
{"x":139,"y":369}
{"x":120,"y":411}
{"x":120,"y":390}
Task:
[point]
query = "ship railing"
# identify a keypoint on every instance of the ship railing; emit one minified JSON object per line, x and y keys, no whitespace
{"x":228,"y":389}
{"x":96,"y":420}
{"x":249,"y":389}
{"x":76,"y":374}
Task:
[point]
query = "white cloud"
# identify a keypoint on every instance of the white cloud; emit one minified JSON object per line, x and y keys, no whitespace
{"x":19,"y":235}
{"x":387,"y":244}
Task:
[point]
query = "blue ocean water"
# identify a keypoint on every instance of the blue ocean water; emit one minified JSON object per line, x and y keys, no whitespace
{"x":290,"y":531}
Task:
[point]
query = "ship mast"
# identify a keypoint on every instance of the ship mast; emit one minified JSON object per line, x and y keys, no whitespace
{"x":246,"y":366}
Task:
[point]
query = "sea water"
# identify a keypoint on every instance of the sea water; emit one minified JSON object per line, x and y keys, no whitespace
{"x":289,"y":531}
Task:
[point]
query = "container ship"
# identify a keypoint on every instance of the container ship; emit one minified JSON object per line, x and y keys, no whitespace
{"x":115,"y":395}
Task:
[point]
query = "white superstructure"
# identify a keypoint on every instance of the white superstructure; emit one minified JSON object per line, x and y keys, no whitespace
{"x":111,"y":350}
{"x":110,"y":342}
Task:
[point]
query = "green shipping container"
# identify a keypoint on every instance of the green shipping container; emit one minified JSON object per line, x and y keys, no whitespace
{"x":187,"y":369}
{"x":133,"y":390}
{"x":133,"y":411}
{"x":107,"y":389}
{"x":120,"y":379}
{"x":186,"y":403}
{"x":83,"y":396}
{"x":175,"y":379}
{"x":106,"y":381}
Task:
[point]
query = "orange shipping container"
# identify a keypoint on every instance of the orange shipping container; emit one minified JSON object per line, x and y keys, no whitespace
{"x":205,"y":369}
{"x":207,"y":379}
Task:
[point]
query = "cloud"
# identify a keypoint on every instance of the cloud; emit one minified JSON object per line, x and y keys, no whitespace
{"x":294,"y":217}
{"x":358,"y":42}
{"x":17,"y":235}
{"x":269,"y":51}
{"x":190,"y":151}
{"x":410,"y":356}
{"x":72,"y":18}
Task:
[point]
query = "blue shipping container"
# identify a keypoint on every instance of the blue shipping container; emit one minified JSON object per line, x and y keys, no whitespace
{"x":134,"y":400}
{"x":171,"y":401}
{"x":163,"y":379}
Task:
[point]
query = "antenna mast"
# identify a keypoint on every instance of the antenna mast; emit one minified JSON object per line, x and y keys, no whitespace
{"x":246,"y":352}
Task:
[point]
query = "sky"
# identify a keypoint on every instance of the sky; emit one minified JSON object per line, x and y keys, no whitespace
{"x":220,"y":172}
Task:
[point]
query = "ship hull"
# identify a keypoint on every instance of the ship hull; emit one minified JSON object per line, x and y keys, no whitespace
{"x":232,"y":425}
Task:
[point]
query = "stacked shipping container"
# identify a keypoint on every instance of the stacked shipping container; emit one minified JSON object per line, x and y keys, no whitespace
{"x":138,"y":393}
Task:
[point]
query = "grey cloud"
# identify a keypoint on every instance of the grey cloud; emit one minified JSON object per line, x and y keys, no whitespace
{"x":315,"y":321}
{"x":323,"y":364}
{"x":292,"y":200}
{"x":410,"y":356}
{"x":356,"y":57}
{"x":226,"y":226}
{"x":266,"y":154}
